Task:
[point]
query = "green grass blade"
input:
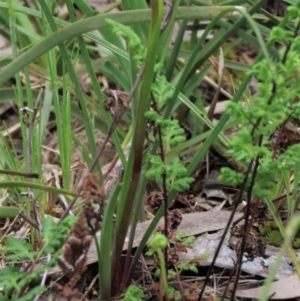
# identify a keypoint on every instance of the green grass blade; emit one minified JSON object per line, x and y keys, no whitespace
{"x":134,"y":165}
{"x":105,"y":263}
{"x":176,"y":48}
{"x":70,"y":69}
{"x":45,"y":188}
{"x":90,"y":24}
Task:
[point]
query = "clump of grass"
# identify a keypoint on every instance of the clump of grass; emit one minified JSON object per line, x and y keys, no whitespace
{"x":160,"y":80}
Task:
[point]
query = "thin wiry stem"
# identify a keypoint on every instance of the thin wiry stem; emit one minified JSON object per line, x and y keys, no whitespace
{"x":29,"y":155}
{"x":114,"y":124}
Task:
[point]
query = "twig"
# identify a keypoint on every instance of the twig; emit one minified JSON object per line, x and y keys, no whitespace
{"x":37,"y":297}
{"x":28,"y":220}
{"x":116,"y":121}
{"x":89,"y":288}
{"x":225,"y":231}
{"x":284,"y":196}
{"x":246,"y":227}
{"x":9,"y":227}
{"x":18,"y":173}
{"x":29,"y":130}
{"x":167,"y":16}
{"x":61,"y":198}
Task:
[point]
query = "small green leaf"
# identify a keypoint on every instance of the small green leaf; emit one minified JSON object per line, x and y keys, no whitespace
{"x":20,"y":248}
{"x":133,"y":293}
{"x":193,"y":268}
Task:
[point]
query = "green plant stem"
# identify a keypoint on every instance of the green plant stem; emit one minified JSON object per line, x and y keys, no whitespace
{"x":134,"y":165}
{"x":163,"y":272}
